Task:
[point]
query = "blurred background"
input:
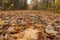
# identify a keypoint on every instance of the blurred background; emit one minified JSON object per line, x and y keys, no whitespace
{"x":30,"y":5}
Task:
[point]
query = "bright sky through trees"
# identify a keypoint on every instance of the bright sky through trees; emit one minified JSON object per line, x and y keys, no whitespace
{"x":28,"y":1}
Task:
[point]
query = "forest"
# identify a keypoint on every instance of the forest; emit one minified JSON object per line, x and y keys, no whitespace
{"x":29,"y":19}
{"x":35,"y":5}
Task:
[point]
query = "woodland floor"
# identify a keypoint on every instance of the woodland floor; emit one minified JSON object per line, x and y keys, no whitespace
{"x":29,"y":25}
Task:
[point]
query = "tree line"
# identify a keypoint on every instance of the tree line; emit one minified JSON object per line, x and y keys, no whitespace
{"x":13,"y":4}
{"x":34,"y":5}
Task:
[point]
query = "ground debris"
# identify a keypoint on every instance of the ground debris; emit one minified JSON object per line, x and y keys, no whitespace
{"x":30,"y":25}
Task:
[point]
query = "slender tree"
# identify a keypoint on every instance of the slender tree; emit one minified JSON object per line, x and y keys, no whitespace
{"x":22,"y":4}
